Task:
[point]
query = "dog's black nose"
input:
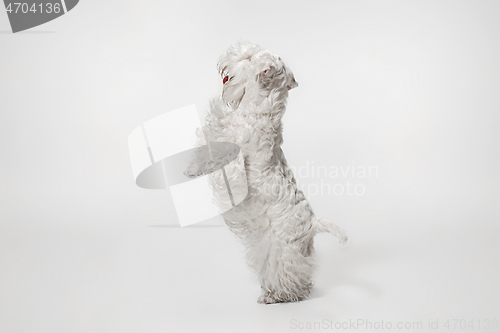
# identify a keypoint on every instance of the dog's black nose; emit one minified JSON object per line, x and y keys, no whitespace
{"x":292,"y":85}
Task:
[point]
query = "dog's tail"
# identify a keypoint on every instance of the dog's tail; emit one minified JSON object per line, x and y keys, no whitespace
{"x":323,"y":225}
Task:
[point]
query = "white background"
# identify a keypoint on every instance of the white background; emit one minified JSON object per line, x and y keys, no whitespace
{"x":409,"y":87}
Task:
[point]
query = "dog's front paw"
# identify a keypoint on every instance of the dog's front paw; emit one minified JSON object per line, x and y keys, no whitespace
{"x":193,"y":171}
{"x":343,"y":238}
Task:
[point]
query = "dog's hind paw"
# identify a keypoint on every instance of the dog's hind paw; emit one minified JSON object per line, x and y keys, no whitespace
{"x":265,"y":299}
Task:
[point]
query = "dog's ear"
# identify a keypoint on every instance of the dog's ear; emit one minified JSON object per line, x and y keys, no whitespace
{"x":233,"y":95}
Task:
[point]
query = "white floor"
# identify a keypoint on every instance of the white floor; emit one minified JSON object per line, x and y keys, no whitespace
{"x":162,"y":278}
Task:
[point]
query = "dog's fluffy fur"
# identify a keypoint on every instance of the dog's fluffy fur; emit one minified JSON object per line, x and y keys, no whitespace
{"x":275,"y":222}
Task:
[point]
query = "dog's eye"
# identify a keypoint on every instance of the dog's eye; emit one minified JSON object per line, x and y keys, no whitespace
{"x":225,"y":79}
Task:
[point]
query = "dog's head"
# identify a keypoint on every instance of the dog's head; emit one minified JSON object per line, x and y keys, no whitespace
{"x":246,"y":69}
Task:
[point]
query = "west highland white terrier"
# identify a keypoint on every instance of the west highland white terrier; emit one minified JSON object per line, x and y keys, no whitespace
{"x":275,"y":222}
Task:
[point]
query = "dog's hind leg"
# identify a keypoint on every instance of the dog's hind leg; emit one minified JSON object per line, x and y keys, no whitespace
{"x":285,"y":274}
{"x":323,"y":225}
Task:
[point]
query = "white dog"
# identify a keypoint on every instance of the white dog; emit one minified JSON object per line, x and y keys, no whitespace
{"x":275,"y":221}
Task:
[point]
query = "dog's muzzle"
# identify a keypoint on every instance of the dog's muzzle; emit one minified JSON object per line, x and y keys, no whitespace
{"x":292,"y":85}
